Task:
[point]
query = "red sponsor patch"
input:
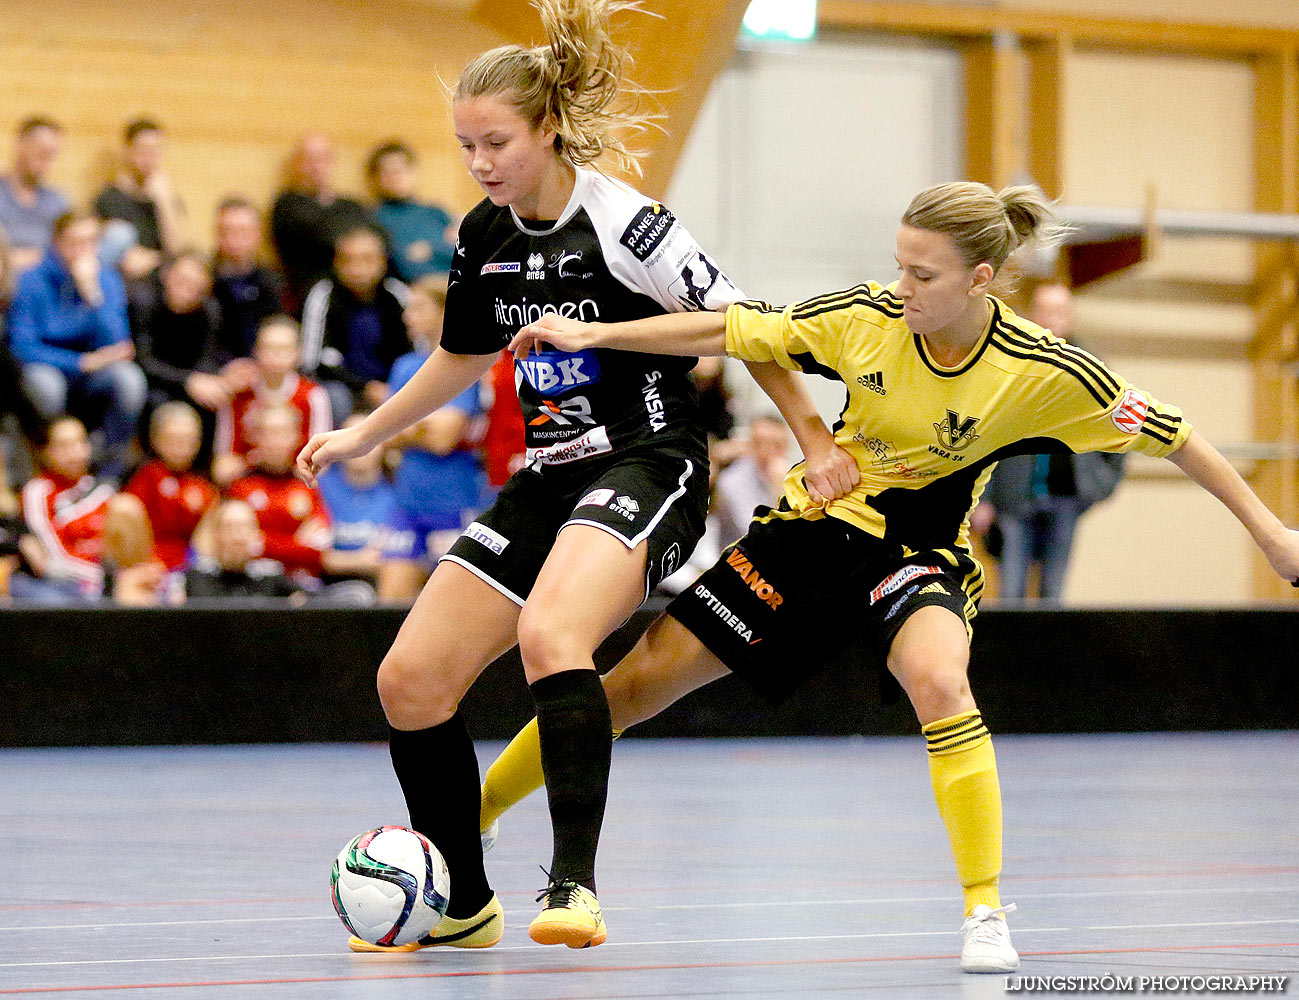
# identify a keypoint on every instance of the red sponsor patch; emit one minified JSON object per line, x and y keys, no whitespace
{"x":902,"y":577}
{"x":1130,"y":414}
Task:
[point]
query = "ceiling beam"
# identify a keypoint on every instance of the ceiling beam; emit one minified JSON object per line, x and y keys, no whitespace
{"x":962,"y":20}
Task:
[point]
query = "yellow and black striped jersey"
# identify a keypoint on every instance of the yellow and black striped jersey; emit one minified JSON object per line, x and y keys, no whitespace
{"x":926,"y":437}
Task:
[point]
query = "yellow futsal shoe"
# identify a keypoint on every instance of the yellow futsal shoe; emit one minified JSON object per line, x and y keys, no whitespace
{"x":571,"y":916}
{"x":482,"y":930}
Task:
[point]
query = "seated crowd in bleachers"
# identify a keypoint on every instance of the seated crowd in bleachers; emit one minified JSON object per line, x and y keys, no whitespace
{"x":153,"y":397}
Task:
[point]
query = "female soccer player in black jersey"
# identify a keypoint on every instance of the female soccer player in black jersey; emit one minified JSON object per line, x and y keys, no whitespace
{"x":614,"y":492}
{"x":942,"y":381}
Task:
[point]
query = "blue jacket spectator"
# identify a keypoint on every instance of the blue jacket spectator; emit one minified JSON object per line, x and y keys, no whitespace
{"x":51,"y":323}
{"x":440,"y":485}
{"x":68,"y":328}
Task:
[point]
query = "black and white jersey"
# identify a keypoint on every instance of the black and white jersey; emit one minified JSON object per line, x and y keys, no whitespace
{"x":613,"y":255}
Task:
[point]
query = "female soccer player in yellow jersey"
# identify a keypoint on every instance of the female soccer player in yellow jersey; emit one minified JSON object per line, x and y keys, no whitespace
{"x":615,"y":488}
{"x":942,"y":381}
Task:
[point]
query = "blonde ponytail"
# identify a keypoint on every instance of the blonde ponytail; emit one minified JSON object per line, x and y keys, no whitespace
{"x":986,"y":226}
{"x":574,"y":84}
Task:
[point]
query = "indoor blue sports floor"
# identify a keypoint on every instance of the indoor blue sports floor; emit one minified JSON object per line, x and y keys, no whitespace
{"x":729,"y":869}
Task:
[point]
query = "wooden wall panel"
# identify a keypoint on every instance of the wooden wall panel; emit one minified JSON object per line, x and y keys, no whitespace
{"x":236,"y":82}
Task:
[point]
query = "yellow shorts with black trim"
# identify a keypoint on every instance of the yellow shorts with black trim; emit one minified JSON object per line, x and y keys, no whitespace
{"x":791,"y":594}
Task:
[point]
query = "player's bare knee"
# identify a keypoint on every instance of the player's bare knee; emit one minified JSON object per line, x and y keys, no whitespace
{"x":544,"y":647}
{"x":937,"y":693}
{"x":408,"y":700}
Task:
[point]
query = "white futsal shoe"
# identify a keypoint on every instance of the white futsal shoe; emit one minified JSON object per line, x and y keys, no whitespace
{"x":490,"y":834}
{"x":987,"y":946}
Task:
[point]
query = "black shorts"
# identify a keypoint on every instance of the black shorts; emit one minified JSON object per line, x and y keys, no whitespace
{"x":792,"y":593}
{"x":660,"y":498}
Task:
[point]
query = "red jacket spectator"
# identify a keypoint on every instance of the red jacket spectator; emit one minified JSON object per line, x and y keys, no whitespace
{"x":175,"y":503}
{"x":67,"y":516}
{"x":235,"y":419}
{"x":502,"y":442}
{"x":292,"y":517}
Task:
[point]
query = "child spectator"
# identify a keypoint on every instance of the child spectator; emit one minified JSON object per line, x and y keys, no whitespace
{"x":292,"y":516}
{"x":277,"y":383}
{"x":439,"y":485}
{"x":13,"y":532}
{"x":360,"y":500}
{"x":235,"y":569}
{"x":82,"y":527}
{"x":502,"y":446}
{"x":352,"y":328}
{"x":247,"y":292}
{"x":422,"y":235}
{"x":175,"y":497}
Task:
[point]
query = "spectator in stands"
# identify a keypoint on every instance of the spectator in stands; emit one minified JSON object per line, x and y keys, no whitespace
{"x":352,"y":329}
{"x":177,"y":340}
{"x":246,"y":290}
{"x":439,"y":485}
{"x":236,"y":569}
{"x":502,"y":448}
{"x":756,"y":477}
{"x":422,"y":236}
{"x":174,"y":495}
{"x":13,"y":532}
{"x":68,"y":329}
{"x":142,"y":195}
{"x":87,"y":533}
{"x":13,"y":399}
{"x":359,"y":498}
{"x":709,"y":376}
{"x":1036,"y":500}
{"x":28,"y":207}
{"x":276,"y":383}
{"x":292,"y":516}
{"x":308,"y":217}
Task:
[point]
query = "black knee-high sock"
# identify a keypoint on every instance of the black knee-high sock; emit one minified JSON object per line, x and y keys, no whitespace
{"x":576,"y":745}
{"x":438,"y":772}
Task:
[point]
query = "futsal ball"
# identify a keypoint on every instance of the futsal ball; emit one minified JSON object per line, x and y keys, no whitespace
{"x":390,"y":886}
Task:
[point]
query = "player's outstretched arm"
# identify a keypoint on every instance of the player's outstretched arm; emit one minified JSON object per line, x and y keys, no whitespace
{"x":692,"y":334}
{"x":830,"y":472}
{"x":439,"y":380}
{"x":1205,"y":464}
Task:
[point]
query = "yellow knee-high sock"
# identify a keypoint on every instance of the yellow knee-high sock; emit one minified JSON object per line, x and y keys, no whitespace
{"x":514,"y":775}
{"x":964,"y":772}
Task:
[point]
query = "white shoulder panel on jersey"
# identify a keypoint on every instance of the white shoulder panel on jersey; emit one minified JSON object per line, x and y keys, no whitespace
{"x":647,"y":248}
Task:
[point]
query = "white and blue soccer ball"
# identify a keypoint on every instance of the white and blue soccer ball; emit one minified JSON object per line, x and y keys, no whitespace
{"x":390,"y":886}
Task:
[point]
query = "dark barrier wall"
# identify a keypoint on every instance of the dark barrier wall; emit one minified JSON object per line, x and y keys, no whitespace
{"x":259,"y":675}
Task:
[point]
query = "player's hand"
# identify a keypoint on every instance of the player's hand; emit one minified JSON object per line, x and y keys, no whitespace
{"x":567,"y":335}
{"x":1284,"y":557}
{"x":323,"y":450}
{"x":830,"y":475}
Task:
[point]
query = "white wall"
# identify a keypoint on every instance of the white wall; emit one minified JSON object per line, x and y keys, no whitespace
{"x":803,"y":159}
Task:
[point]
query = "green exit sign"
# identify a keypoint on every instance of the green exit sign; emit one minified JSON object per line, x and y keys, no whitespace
{"x":790,"y":19}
